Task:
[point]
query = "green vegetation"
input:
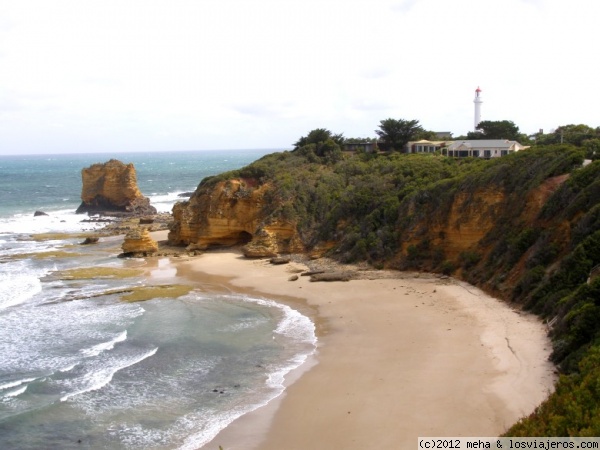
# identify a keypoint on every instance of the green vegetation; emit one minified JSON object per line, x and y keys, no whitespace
{"x":496,"y":129}
{"x":143,"y":293}
{"x":59,"y":236}
{"x":397,"y":133}
{"x":539,"y":209}
{"x":99,"y":272}
{"x":45,"y":255}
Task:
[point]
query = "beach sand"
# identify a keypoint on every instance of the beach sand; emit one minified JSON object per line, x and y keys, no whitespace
{"x":397,"y":358}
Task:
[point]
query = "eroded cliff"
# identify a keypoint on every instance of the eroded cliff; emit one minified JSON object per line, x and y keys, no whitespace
{"x":112,"y":187}
{"x":233,"y":212}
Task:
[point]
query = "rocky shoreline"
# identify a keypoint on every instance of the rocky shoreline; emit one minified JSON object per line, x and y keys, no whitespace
{"x":320,"y":268}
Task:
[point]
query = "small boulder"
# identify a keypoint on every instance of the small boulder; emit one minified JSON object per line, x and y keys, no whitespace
{"x":39,"y":213}
{"x":331,"y":276}
{"x":278,"y":260}
{"x":258,"y":251}
{"x":90,"y":240}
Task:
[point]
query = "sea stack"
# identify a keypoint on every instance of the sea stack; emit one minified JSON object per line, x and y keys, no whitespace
{"x":138,"y":242}
{"x":111,"y":188}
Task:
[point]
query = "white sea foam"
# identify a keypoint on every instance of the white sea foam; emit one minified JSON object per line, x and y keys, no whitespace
{"x":16,"y":392}
{"x":50,"y":343}
{"x":56,"y":221}
{"x":13,"y":384}
{"x":98,"y":379}
{"x":103,"y":346}
{"x":217,"y":421}
{"x":165,"y":202}
{"x":211,"y":426}
{"x":17,"y":288}
{"x":292,"y":325}
{"x":68,"y":368}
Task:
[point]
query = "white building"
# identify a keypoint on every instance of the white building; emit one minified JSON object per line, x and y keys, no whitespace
{"x":424,"y":146}
{"x":485,"y":148}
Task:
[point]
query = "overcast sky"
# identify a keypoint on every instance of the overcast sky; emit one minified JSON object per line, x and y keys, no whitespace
{"x":148,"y":75}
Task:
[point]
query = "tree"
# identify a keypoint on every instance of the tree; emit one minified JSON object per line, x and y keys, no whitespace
{"x":322,"y":143}
{"x":496,"y":129}
{"x":397,"y":133}
{"x":592,"y":148}
{"x":318,"y":136}
{"x":427,"y":135}
{"x":568,"y":134}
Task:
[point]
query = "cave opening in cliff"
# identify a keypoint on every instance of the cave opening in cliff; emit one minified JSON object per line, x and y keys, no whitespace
{"x":244,"y":237}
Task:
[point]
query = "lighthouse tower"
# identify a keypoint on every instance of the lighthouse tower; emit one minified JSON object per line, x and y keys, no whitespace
{"x":478,"y":103}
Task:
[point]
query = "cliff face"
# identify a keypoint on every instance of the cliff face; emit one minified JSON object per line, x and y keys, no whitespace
{"x":230,"y":213}
{"x":237,"y":211}
{"x":472,"y":215}
{"x":468,"y":230}
{"x":112,"y":187}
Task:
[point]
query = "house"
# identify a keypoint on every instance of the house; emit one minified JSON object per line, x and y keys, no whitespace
{"x":362,"y":146}
{"x":425,"y":146}
{"x":485,"y":148}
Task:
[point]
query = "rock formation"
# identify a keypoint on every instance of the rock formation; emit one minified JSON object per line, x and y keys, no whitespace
{"x":110,"y":188}
{"x":138,"y":242}
{"x":471,"y":216}
{"x":233,"y":212}
{"x":239,"y":211}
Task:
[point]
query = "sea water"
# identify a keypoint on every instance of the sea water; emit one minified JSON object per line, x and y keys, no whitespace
{"x":79,"y":368}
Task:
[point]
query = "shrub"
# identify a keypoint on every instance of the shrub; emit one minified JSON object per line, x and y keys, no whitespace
{"x":447,"y":267}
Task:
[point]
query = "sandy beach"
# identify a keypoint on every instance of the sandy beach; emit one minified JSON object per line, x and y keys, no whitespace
{"x":401,"y":357}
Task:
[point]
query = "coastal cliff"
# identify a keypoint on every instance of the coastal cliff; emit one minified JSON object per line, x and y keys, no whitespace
{"x":229,"y":213}
{"x":525,"y":227}
{"x":111,"y":187}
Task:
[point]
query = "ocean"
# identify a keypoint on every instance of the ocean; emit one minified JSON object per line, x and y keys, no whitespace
{"x":79,"y":367}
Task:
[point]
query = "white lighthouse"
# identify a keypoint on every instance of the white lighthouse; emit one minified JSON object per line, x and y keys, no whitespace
{"x":478,"y":103}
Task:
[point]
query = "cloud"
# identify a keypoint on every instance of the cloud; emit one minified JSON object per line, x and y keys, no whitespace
{"x":264,"y":109}
{"x":375,"y":72}
{"x":9,"y":102}
{"x":403,"y":6}
{"x":372,"y":105}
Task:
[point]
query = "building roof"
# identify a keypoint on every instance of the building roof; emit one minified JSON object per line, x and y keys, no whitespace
{"x":493,"y":144}
{"x":425,"y":141}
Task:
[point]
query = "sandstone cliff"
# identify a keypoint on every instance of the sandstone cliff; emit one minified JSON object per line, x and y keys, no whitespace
{"x":111,"y":187}
{"x":233,"y":212}
{"x":468,"y":229}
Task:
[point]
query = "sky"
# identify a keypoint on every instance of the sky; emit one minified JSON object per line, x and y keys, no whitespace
{"x":145,"y":75}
